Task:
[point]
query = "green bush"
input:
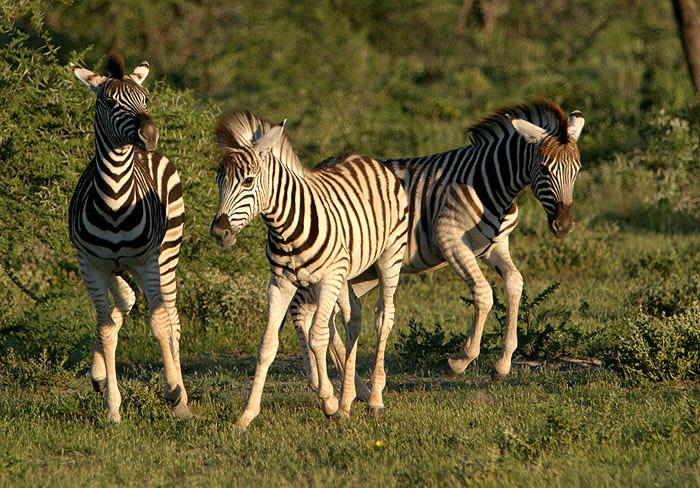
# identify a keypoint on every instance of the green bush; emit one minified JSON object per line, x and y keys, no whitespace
{"x":420,"y":348}
{"x":656,"y":349}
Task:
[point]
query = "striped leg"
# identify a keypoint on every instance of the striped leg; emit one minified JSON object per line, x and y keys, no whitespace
{"x":280,"y":292}
{"x":161,"y":328}
{"x":388,"y":267}
{"x":123,"y":291}
{"x":302,"y":311}
{"x":462,"y":260}
{"x":169,"y":292}
{"x":352,"y":316}
{"x":328,"y":291}
{"x":498,"y":258}
{"x":97,"y":283}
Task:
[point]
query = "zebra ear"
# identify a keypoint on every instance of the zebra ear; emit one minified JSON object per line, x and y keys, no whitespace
{"x":531,"y":132}
{"x":269,"y":138}
{"x":140,"y":72}
{"x":576,"y":122}
{"x":87,"y":77}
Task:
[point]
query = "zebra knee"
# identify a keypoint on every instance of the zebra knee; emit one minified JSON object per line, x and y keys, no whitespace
{"x":483,"y":299}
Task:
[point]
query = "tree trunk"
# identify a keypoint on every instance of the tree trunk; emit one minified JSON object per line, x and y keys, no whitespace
{"x":686,"y":13}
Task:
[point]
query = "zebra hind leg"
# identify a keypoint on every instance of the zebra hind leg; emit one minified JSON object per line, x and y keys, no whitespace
{"x":302,"y":312}
{"x":350,"y":305}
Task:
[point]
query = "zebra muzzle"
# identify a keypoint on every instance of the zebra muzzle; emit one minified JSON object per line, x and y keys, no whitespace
{"x":563,"y":223}
{"x":147,"y":134}
{"x":222,"y":232}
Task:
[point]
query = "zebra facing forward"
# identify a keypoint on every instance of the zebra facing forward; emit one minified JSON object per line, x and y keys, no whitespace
{"x":462,"y":207}
{"x":127,"y":215}
{"x":324,"y":228}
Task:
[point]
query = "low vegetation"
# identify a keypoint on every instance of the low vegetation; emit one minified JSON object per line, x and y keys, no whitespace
{"x":605,"y":385}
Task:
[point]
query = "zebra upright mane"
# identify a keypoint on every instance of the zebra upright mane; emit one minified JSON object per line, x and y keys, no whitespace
{"x":544,"y":113}
{"x":241,"y":128}
{"x":115,"y":66}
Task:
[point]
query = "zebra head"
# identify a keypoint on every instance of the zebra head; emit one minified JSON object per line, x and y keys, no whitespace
{"x":554,"y":170}
{"x":242,"y":180}
{"x":121,"y":116}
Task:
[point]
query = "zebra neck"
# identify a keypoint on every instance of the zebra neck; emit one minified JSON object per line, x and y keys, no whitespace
{"x":114,"y":172}
{"x":501,"y":172}
{"x":286,"y":204}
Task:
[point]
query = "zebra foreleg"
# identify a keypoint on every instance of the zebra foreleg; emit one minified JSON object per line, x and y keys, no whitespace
{"x":302,"y":310}
{"x":388,"y":267}
{"x":161,"y":329}
{"x":280,"y":292}
{"x":498,"y":258}
{"x":104,"y":351}
{"x":463,"y":261}
{"x":124,"y":295}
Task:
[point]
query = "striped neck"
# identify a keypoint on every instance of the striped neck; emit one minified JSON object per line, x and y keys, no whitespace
{"x":115,"y":169}
{"x":286,"y":200}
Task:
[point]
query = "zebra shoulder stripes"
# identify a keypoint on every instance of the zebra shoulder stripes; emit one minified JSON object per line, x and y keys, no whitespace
{"x":127,"y":216}
{"x":462,"y":207}
{"x":324,"y":227}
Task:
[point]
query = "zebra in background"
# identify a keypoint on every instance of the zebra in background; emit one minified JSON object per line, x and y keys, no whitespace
{"x":127,"y":215}
{"x":462,"y":207}
{"x":324,"y":227}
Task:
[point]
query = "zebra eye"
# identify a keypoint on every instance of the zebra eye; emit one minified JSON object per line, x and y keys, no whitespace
{"x":248,"y":181}
{"x":110,"y":102}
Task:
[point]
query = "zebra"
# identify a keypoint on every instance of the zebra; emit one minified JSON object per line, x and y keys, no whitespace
{"x":462,"y":207}
{"x":126,"y":216}
{"x":324,"y":227}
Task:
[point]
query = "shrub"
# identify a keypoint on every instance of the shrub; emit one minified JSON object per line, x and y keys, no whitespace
{"x":542,"y":332}
{"x":656,"y":349}
{"x":423,"y":348}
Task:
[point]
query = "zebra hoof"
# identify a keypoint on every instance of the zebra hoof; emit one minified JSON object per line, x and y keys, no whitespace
{"x":114,"y":417}
{"x":497,"y":377}
{"x":449,"y":374}
{"x":99,"y":385}
{"x":329,"y":406}
{"x":182,"y":411}
{"x":455,"y":366}
{"x":375,"y":411}
{"x":173,"y":396}
{"x":340,"y":415}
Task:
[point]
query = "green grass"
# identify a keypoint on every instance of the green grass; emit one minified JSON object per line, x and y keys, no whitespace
{"x":356,"y":74}
{"x":546,"y":426}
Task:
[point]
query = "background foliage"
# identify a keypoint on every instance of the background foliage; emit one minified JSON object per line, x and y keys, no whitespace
{"x":383,"y":78}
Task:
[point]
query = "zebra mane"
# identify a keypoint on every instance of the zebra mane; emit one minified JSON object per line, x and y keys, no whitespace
{"x":544,"y":113}
{"x":241,"y":128}
{"x":115,"y":66}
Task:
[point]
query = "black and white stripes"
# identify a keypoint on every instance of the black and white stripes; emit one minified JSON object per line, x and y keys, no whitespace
{"x":325,"y":227}
{"x":462,"y":207}
{"x":127,"y":215}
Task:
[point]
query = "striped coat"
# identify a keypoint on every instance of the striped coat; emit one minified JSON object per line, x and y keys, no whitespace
{"x":462,"y":207}
{"x":126,"y":218}
{"x":324,"y":227}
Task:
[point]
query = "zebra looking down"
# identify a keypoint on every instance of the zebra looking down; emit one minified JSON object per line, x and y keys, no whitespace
{"x":127,"y":215}
{"x":462,"y":207}
{"x":324,"y":227}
